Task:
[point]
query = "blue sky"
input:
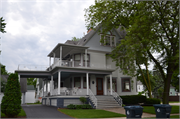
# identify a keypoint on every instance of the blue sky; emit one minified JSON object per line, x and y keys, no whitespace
{"x":34,"y":27}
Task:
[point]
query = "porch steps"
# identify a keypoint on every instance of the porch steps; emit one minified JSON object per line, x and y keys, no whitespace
{"x":106,"y":102}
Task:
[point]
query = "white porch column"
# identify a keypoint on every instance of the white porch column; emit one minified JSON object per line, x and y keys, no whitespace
{"x":59,"y":82}
{"x":49,"y":61}
{"x":43,"y":87}
{"x":105,"y":85}
{"x":54,"y":57}
{"x":51,"y":84}
{"x":24,"y":97}
{"x":19,"y":77}
{"x":86,"y":58}
{"x":60,"y":55}
{"x":46,"y":87}
{"x":111,"y":83}
{"x":87,"y":82}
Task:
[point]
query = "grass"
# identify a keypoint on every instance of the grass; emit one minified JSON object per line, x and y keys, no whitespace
{"x":151,"y":109}
{"x":21,"y":114}
{"x":90,"y":113}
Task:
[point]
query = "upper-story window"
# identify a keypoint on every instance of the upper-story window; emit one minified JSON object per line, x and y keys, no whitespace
{"x":108,"y":39}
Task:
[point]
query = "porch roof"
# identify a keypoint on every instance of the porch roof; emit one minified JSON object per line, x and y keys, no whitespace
{"x":66,"y":50}
{"x":33,"y":73}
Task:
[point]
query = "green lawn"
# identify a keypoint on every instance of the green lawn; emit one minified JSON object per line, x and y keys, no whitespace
{"x":90,"y":113}
{"x":151,"y":109}
{"x":21,"y":114}
{"x":174,"y":116}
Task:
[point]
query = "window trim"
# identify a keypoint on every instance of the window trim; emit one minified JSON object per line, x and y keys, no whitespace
{"x":122,"y":83}
{"x":77,"y":60}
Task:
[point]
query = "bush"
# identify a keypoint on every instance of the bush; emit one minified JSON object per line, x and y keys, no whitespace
{"x":88,"y":106}
{"x":11,"y":102}
{"x":71,"y":106}
{"x":133,"y":99}
{"x":153,"y":101}
{"x":78,"y":106}
{"x":83,"y":99}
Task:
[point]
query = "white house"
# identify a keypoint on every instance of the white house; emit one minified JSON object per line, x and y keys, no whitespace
{"x":82,"y":68}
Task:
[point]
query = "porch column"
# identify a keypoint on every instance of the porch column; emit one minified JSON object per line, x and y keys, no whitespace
{"x":49,"y":61}
{"x":86,"y":58}
{"x":87,"y":82}
{"x":111,"y":83}
{"x":19,"y":77}
{"x":105,"y":85}
{"x":38,"y":88}
{"x":24,"y":98}
{"x":59,"y":82}
{"x":54,"y":57}
{"x":46,"y":87}
{"x":51,"y":89}
{"x":43,"y":87}
{"x":60,"y":55}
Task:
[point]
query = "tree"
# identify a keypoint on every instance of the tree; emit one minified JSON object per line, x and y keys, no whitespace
{"x":3,"y":69}
{"x":3,"y":25}
{"x":75,"y":39}
{"x":31,"y":81}
{"x":152,"y":32}
{"x":11,"y":102}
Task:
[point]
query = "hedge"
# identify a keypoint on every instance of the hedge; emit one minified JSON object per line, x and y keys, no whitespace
{"x":153,"y":101}
{"x":133,"y":99}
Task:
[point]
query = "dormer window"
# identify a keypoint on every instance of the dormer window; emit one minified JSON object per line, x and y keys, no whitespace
{"x":108,"y":40}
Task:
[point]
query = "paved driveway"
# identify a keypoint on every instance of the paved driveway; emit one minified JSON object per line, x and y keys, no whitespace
{"x":41,"y":111}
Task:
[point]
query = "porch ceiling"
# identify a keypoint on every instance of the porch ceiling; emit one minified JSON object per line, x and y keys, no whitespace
{"x":33,"y":74}
{"x":66,"y":50}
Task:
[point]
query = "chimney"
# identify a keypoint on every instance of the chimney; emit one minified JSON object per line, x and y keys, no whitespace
{"x":89,"y":30}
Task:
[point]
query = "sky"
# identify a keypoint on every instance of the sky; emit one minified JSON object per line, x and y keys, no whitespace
{"x":35,"y":27}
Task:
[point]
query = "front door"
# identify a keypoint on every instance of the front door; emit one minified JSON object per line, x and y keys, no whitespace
{"x":99,"y":86}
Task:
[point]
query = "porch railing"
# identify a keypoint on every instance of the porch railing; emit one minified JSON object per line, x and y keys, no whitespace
{"x":93,"y":97}
{"x":32,"y":67}
{"x":69,"y":91}
{"x":65,"y":63}
{"x":117,"y":97}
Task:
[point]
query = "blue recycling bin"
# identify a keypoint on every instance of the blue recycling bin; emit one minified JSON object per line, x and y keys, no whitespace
{"x":162,"y":110}
{"x":133,"y":111}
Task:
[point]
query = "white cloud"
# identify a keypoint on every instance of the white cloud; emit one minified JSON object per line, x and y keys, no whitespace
{"x":34,"y":27}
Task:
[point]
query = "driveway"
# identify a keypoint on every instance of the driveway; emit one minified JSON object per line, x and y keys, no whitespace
{"x":42,"y":111}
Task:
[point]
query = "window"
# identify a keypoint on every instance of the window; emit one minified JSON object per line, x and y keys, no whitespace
{"x":77,"y":60}
{"x":88,"y":60}
{"x":108,"y":40}
{"x":84,"y":82}
{"x":126,"y":87}
{"x":114,"y":83}
{"x":77,"y":82}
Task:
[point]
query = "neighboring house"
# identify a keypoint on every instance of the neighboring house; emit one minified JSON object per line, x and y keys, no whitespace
{"x":82,"y":68}
{"x":30,"y":94}
{"x":172,"y":91}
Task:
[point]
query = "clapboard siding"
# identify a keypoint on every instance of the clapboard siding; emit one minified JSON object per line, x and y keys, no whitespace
{"x":72,"y":101}
{"x":54,"y":102}
{"x":44,"y":101}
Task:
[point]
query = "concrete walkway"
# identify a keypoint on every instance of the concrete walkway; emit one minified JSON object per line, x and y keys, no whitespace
{"x":41,"y":111}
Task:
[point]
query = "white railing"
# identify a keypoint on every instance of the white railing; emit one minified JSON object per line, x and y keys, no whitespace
{"x":65,"y":63}
{"x":117,"y":97}
{"x":69,"y":91}
{"x":32,"y":67}
{"x":93,"y":97}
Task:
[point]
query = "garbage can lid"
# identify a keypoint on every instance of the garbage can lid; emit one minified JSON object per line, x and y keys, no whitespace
{"x":133,"y":106}
{"x":162,"y":105}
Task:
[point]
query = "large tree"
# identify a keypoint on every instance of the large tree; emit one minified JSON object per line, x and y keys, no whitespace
{"x":152,"y":33}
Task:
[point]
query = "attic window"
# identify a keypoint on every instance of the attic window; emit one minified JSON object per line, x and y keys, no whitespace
{"x":84,"y":40}
{"x":107,"y":40}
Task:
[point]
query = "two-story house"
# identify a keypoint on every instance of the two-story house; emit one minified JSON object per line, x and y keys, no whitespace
{"x":83,"y":69}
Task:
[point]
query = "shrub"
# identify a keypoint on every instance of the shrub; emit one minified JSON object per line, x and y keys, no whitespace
{"x":88,"y":106}
{"x":83,"y":99}
{"x":153,"y":101}
{"x":71,"y":106}
{"x":78,"y":106}
{"x":11,"y":102}
{"x":133,"y":99}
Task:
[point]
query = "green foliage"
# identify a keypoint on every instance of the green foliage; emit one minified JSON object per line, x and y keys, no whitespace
{"x":3,"y":86}
{"x":83,"y":99}
{"x":78,"y":106}
{"x":71,"y":106}
{"x":152,"y":33}
{"x":2,"y":26}
{"x":3,"y":70}
{"x":75,"y":39}
{"x":31,"y":81}
{"x":153,"y":101}
{"x":84,"y":106}
{"x":11,"y":102}
{"x":133,"y":99}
